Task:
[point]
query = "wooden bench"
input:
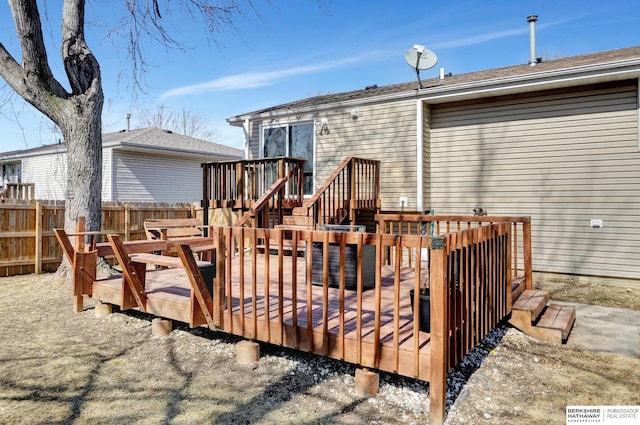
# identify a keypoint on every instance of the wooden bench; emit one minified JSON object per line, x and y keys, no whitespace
{"x":181,"y":230}
{"x":200,"y":274}
{"x":133,"y":257}
{"x":171,"y":228}
{"x":83,"y":258}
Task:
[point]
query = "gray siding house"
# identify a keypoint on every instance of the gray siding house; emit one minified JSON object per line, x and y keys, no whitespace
{"x":558,"y":141}
{"x":145,"y":165}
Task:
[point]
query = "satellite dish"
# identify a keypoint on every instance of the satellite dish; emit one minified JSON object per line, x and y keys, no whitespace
{"x":418,"y":58}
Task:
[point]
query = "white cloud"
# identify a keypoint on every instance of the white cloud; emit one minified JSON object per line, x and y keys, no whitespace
{"x":483,"y":38}
{"x":249,"y":80}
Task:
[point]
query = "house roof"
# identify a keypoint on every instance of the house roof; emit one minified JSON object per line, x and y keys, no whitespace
{"x":563,"y":72}
{"x":159,"y":139}
{"x":150,"y":139}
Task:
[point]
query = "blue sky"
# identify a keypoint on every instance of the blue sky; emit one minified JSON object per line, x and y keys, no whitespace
{"x":296,"y":49}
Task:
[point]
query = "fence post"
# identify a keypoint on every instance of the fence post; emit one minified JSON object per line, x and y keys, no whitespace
{"x":439,"y":289}
{"x":127,"y":222}
{"x":38,"y":259}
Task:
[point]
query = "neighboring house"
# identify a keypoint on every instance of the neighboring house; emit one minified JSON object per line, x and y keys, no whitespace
{"x":557,"y":141}
{"x":148,"y":164}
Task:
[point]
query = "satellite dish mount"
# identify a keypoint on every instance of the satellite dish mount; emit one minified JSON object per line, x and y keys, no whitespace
{"x":418,"y":58}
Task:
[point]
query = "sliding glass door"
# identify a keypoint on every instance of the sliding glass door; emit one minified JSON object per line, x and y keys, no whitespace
{"x":292,"y":140}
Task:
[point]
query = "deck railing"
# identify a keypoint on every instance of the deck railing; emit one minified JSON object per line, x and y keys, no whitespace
{"x":239,"y":184}
{"x":19,"y":191}
{"x":520,"y":255}
{"x":355,"y":184}
{"x":469,"y":274}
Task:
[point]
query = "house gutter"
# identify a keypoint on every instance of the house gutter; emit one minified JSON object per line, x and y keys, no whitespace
{"x":568,"y":77}
{"x":245,"y":139}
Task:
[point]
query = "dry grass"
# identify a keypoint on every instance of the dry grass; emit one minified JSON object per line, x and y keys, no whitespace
{"x":66,"y":368}
{"x":525,"y":381}
{"x":577,"y":290}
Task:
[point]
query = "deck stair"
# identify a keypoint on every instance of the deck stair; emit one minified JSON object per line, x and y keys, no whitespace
{"x":532,"y":314}
{"x":297,"y":220}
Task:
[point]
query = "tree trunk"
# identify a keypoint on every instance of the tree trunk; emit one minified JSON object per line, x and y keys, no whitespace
{"x":82,"y":132}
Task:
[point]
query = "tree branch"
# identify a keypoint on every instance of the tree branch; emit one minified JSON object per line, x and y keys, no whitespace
{"x":34,"y":54}
{"x":82,"y":68}
{"x":11,"y":71}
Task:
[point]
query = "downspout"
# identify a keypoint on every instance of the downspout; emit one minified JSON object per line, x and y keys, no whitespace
{"x":419,"y":156}
{"x":638,"y":109}
{"x":112,"y":173}
{"x":245,"y":138}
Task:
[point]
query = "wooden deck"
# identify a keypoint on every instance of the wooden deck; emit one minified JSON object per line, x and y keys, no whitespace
{"x":271,"y":298}
{"x":168,"y":295}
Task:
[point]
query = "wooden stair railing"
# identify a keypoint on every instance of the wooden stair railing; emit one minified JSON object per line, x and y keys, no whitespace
{"x":239,"y":184}
{"x":270,"y":205}
{"x":19,"y":191}
{"x":259,"y":213}
{"x":355,"y":184}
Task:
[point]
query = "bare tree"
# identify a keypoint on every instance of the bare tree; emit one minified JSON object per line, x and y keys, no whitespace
{"x":77,"y":112}
{"x":194,"y":125}
{"x":160,"y":117}
{"x":184,"y":122}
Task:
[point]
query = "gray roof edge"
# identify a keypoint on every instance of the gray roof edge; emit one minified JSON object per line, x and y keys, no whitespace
{"x":532,"y":80}
{"x":114,"y":141}
{"x":140,"y":147}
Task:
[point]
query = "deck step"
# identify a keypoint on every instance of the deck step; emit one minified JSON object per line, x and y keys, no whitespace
{"x":517,"y":287}
{"x":298,"y":220}
{"x":533,"y":301}
{"x":559,"y":317}
{"x":300,"y":211}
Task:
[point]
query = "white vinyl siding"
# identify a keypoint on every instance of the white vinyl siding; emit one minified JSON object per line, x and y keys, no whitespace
{"x":156,"y":178}
{"x":49,"y":173}
{"x":561,"y":157}
{"x":107,"y":194}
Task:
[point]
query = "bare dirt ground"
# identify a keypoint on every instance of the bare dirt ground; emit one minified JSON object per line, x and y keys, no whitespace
{"x":58,"y":367}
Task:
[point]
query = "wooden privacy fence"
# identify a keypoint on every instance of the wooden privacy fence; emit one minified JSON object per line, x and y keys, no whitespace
{"x":276,"y":298}
{"x":28,"y":244}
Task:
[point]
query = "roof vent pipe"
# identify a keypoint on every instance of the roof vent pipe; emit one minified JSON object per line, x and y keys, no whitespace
{"x":532,"y":19}
{"x":128,"y":117}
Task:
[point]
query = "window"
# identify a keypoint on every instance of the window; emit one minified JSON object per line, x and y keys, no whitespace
{"x":11,"y":173}
{"x":292,"y":140}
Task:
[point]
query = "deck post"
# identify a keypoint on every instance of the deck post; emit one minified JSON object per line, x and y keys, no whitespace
{"x":526,"y":246}
{"x":206,"y":170}
{"x":439,"y":288}
{"x":78,"y":299}
{"x":240,"y":183}
{"x":217,"y":233}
